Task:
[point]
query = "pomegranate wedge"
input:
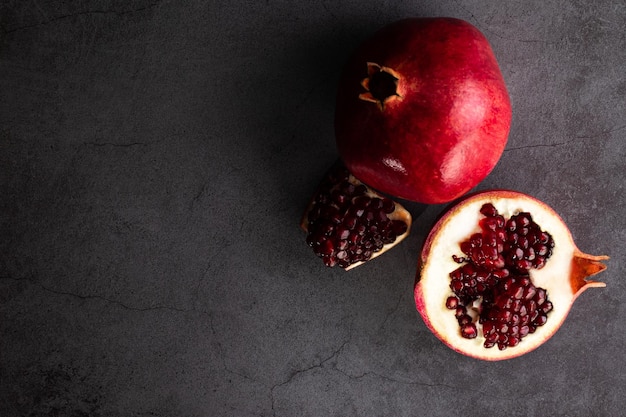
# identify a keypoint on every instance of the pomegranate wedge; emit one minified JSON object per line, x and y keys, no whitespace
{"x":347,"y":223}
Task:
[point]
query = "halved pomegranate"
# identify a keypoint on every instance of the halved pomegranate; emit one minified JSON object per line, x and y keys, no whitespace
{"x":498,"y":275}
{"x":348,"y":223}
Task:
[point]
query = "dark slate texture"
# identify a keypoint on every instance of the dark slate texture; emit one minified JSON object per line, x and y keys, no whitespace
{"x":155,"y":158}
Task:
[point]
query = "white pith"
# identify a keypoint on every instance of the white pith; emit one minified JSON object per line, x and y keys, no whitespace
{"x":433,"y":288}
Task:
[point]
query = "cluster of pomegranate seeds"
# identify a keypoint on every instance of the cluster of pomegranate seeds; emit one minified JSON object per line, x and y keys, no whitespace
{"x":514,"y":309}
{"x":345,"y":224}
{"x":495,"y":273}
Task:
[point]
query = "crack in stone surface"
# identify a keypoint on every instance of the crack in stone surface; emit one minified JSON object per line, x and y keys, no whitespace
{"x":118,"y":13}
{"x":297,"y":372}
{"x":364,"y":375}
{"x":606,"y":132}
{"x":221,"y":351}
{"x":483,"y":27}
{"x":115,"y":145}
{"x":576,"y":139}
{"x":198,"y":197}
{"x":371,"y":374}
{"x":102,"y":298}
{"x":222,"y":354}
{"x":394,"y":310}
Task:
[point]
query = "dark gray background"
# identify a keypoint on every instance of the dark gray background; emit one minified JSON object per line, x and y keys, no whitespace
{"x":155,"y":158}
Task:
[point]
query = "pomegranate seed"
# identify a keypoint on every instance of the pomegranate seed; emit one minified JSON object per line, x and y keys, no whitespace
{"x":540,"y":320}
{"x":356,"y":211}
{"x":504,"y":316}
{"x":522,"y":241}
{"x":488,"y":223}
{"x":342,"y":232}
{"x":488,"y":327}
{"x":501,"y":273}
{"x":457,"y":285}
{"x":466,"y":247}
{"x":546,"y":307}
{"x":457,"y":259}
{"x":540,"y":249}
{"x":540,"y":296}
{"x":539,"y":263}
{"x":524,"y":219}
{"x":488,"y":210}
{"x":523,"y":331}
{"x":464,"y":319}
{"x":503,"y":328}
{"x":490,"y":340}
{"x":519,"y":293}
{"x":339,"y":198}
{"x":399,"y":227}
{"x":360,"y":190}
{"x":388,"y":205}
{"x":375,"y":204}
{"x":523,"y":311}
{"x":469,"y":331}
{"x":500,"y":222}
{"x":523,"y":265}
{"x":511,"y":225}
{"x":452,"y":303}
{"x":326,"y":247}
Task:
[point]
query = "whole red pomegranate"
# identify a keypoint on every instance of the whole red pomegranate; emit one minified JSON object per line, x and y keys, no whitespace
{"x":422,"y":110}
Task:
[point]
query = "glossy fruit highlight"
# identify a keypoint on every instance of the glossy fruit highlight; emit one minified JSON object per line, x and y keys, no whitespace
{"x":422,"y":110}
{"x":498,"y":274}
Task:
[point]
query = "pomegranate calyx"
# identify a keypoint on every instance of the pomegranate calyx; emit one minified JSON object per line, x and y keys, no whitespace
{"x":381,"y":85}
{"x":584,"y":266}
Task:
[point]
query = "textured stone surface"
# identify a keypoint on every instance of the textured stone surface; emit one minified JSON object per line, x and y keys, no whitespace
{"x":155,"y":157}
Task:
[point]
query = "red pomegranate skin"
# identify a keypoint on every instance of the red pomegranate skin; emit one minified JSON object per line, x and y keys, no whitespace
{"x":448,"y":125}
